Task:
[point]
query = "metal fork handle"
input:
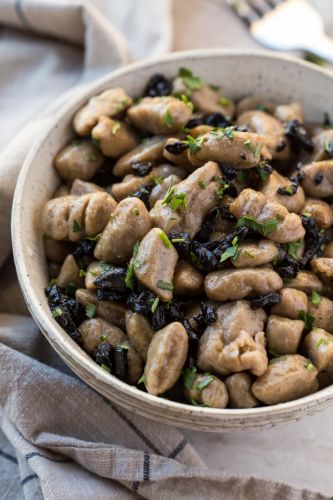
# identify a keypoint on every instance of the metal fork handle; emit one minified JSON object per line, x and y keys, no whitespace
{"x":322,"y":46}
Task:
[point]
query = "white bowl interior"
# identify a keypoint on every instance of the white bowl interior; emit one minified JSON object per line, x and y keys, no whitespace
{"x":239,"y":74}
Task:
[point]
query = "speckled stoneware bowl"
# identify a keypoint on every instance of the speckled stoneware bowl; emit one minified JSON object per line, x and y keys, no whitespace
{"x":240,"y":73}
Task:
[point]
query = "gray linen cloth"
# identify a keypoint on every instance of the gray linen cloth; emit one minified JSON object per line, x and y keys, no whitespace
{"x":59,"y":439}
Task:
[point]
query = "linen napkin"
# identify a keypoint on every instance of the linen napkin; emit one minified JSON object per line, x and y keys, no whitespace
{"x":59,"y":439}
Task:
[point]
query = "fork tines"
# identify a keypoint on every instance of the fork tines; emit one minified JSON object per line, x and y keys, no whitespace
{"x":252,"y":10}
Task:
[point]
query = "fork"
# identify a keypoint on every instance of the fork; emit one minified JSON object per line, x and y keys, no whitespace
{"x":285,"y":25}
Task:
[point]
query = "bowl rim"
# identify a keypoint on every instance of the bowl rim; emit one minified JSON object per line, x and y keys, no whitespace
{"x":48,"y":325}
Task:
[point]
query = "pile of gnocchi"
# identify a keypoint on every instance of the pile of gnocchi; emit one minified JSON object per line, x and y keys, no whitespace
{"x":190,"y":244}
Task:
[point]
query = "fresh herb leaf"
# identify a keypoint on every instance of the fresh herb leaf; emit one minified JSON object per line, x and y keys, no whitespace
{"x":309,"y":365}
{"x":135,"y":248}
{"x":202,"y":184}
{"x":230,"y":252}
{"x":255,"y":149}
{"x":308,"y":320}
{"x":263,"y":228}
{"x":90,"y":310}
{"x":315,"y":298}
{"x":322,"y":341}
{"x":224,"y":132}
{"x":314,"y":59}
{"x":195,"y":403}
{"x":261,"y":172}
{"x":56,"y":312}
{"x":224,"y":101}
{"x":184,"y":98}
{"x":130,"y":276}
{"x":204,"y":383}
{"x":178,"y":240}
{"x":103,"y":338}
{"x":115,"y":128}
{"x":167,"y":118}
{"x":142,"y":380}
{"x":293,"y":248}
{"x":76,"y":227}
{"x":93,"y":157}
{"x":106,"y":368}
{"x":243,"y":176}
{"x":82,"y":273}
{"x":165,"y":240}
{"x":190,"y":81}
{"x":194,"y":145}
{"x":124,"y":345}
{"x":94,"y":238}
{"x":104,"y":266}
{"x":189,"y":375}
{"x":164,"y":285}
{"x":155,"y":304}
{"x":174,"y":201}
{"x":219,"y":193}
{"x":196,"y":261}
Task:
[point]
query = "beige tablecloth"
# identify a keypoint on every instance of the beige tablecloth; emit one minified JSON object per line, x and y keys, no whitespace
{"x":59,"y":439}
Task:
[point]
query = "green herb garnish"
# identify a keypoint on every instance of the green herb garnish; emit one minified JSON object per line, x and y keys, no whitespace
{"x":194,"y":145}
{"x":204,"y":383}
{"x":174,"y":201}
{"x":261,"y":172}
{"x":136,"y":211}
{"x":196,"y":261}
{"x":308,"y":320}
{"x":142,"y":380}
{"x":189,"y":375}
{"x":263,"y":228}
{"x":243,"y":176}
{"x":130,"y":276}
{"x":184,"y":98}
{"x":155,"y":305}
{"x":164,"y":285}
{"x":115,"y":128}
{"x":90,"y":310}
{"x":167,"y":118}
{"x":224,"y":132}
{"x":93,"y":157}
{"x":56,"y":312}
{"x":315,"y":298}
{"x":202,"y":184}
{"x":230,"y":252}
{"x":76,"y":227}
{"x":255,"y":149}
{"x":103,"y":338}
{"x":224,"y":101}
{"x":293,"y":248}
{"x":104,"y":266}
{"x":190,"y":81}
{"x":322,"y":341}
{"x":223,"y":186}
{"x":52,"y":282}
{"x":94,"y":238}
{"x":309,"y":365}
{"x":106,"y":368}
{"x":82,"y":273}
{"x":165,"y":240}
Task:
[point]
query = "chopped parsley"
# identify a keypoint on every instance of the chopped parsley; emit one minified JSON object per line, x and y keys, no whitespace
{"x":106,"y":368}
{"x":262,"y":173}
{"x":178,"y":240}
{"x":76,"y":227}
{"x":184,"y":98}
{"x":167,"y":118}
{"x":57,"y":312}
{"x":164,"y":285}
{"x":104,"y":266}
{"x":190,"y":81}
{"x":103,"y":338}
{"x":196,"y":261}
{"x":223,"y":186}
{"x":202,"y":184}
{"x":224,"y":133}
{"x":307,"y":214}
{"x":315,"y":298}
{"x":263,"y":228}
{"x":130,"y":276}
{"x":124,"y":345}
{"x":255,"y":149}
{"x":195,"y":403}
{"x":293,"y":248}
{"x":243,"y":176}
{"x":115,"y":128}
{"x":189,"y":375}
{"x":194,"y":145}
{"x":309,"y":365}
{"x":135,"y":248}
{"x":155,"y":304}
{"x":308,"y":320}
{"x":93,"y":157}
{"x":142,"y":380}
{"x":322,"y":341}
{"x":82,"y":273}
{"x":204,"y":383}
{"x":165,"y":240}
{"x":230,"y":252}
{"x":174,"y":201}
{"x":90,"y":310}
{"x":94,"y":238}
{"x":224,"y":101}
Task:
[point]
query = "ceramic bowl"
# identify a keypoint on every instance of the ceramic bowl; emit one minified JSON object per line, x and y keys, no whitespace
{"x":239,"y":73}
